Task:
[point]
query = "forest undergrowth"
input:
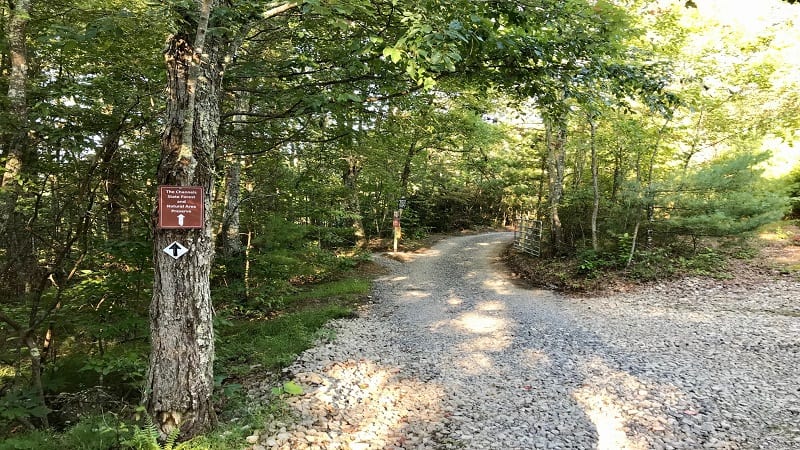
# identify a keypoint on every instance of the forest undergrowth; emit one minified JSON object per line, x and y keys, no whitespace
{"x":773,"y":250}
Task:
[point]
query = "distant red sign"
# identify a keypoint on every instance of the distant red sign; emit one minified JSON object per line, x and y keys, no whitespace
{"x":180,"y":207}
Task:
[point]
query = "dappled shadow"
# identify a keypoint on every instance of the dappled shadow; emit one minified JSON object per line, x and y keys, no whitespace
{"x":562,"y":376}
{"x":484,"y":364}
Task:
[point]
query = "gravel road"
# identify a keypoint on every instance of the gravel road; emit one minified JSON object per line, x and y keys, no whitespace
{"x":452,"y":355}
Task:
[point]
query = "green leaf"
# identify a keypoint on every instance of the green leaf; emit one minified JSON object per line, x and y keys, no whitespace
{"x":292,"y":388}
{"x":394,"y":54}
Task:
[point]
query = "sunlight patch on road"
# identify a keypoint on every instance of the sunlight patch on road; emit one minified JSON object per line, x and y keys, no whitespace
{"x":454,"y":301}
{"x":619,"y":403}
{"x":494,"y":343}
{"x":394,"y":279}
{"x":491,"y":305}
{"x":480,"y":323}
{"x":475,"y":363}
{"x":499,"y":286}
{"x":608,"y":420}
{"x":358,"y":404}
{"x":416,"y":293}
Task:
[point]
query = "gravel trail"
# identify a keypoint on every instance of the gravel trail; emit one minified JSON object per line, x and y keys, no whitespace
{"x":453,"y":355}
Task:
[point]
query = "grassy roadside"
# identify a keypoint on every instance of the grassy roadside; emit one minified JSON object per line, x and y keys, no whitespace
{"x":249,"y":350}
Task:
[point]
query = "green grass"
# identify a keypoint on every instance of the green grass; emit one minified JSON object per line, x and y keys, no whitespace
{"x":340,"y":288}
{"x":247,"y":348}
{"x":273,"y":342}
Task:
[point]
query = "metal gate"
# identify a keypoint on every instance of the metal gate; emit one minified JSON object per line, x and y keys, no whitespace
{"x":528,"y":236}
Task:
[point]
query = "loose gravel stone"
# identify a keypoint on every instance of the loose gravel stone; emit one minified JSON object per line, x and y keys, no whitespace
{"x":453,"y":355}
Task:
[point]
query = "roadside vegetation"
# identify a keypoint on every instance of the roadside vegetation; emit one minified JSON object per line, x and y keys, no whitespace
{"x":772,"y":250}
{"x":94,"y":395}
{"x":650,"y":140}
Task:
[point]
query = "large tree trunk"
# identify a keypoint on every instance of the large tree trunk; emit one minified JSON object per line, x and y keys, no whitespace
{"x":20,"y":271}
{"x":180,"y":376}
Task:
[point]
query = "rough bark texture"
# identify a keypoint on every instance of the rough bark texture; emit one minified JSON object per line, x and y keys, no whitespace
{"x":20,"y":275}
{"x":180,"y":377}
{"x":15,"y":276}
{"x":17,"y":96}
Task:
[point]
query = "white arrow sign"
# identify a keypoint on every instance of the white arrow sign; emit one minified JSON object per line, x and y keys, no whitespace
{"x":176,"y":250}
{"x":180,"y":219}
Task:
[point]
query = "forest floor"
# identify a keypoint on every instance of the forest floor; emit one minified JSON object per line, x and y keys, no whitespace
{"x":454,"y":354}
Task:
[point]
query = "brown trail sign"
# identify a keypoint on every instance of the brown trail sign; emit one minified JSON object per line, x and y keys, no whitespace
{"x":180,"y":207}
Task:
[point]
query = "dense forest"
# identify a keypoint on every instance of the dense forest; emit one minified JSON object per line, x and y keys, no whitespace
{"x":629,"y":128}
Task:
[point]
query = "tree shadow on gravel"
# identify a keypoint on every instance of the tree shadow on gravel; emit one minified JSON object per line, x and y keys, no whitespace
{"x":535,"y":364}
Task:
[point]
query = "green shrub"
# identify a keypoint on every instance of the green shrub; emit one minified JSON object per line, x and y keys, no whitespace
{"x":32,"y":440}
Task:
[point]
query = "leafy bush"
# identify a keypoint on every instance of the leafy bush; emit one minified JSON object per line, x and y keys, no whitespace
{"x":21,"y":405}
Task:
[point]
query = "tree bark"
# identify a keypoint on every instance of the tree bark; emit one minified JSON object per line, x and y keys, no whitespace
{"x":231,"y":240}
{"x":405,"y":175}
{"x":230,"y":233}
{"x":17,"y":150}
{"x":595,"y":184}
{"x":112,"y":180}
{"x":350,"y":180}
{"x":14,"y":236}
{"x":556,"y":165}
{"x":180,"y":376}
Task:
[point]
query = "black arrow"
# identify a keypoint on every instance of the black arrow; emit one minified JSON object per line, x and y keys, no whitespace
{"x":175,"y":249}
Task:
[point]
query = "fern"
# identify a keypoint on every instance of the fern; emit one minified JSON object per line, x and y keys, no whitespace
{"x":146,"y":437}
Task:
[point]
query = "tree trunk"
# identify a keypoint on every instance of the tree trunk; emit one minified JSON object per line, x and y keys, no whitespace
{"x":650,"y":194}
{"x":21,"y":272}
{"x":405,"y":175}
{"x":616,"y":178}
{"x":18,"y":146}
{"x":180,"y":376}
{"x":595,"y":185}
{"x":15,"y":278}
{"x":350,"y":180}
{"x":231,"y":240}
{"x":112,"y":179}
{"x":556,"y":163}
{"x":230,"y":234}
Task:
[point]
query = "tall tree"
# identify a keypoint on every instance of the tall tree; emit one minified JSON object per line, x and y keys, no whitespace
{"x":180,"y":377}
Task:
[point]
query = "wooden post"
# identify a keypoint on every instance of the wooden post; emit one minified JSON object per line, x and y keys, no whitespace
{"x":396,"y":226}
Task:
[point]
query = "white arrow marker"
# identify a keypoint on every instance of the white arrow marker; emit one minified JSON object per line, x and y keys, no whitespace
{"x":180,"y":220}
